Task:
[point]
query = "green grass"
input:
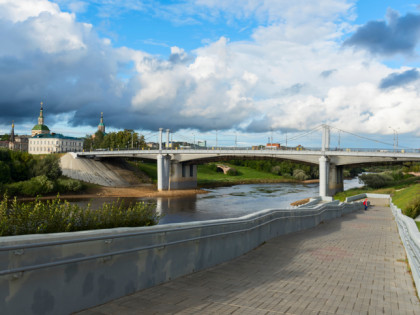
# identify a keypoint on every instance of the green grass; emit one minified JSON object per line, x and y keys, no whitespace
{"x":418,"y":225}
{"x":206,"y":176}
{"x":356,"y":191}
{"x":150,"y":169}
{"x":402,"y":198}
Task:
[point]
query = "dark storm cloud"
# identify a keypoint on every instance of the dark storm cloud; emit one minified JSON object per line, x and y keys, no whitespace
{"x":399,"y":36}
{"x":399,"y":79}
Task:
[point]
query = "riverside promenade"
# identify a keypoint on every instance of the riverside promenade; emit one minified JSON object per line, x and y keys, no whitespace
{"x":355,"y":264}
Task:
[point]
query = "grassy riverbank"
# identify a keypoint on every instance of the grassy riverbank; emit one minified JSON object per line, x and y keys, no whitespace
{"x":207,"y":176}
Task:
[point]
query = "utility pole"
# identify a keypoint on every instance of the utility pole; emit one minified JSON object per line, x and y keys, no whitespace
{"x":395,"y":138}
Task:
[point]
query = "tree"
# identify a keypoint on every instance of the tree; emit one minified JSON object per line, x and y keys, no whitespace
{"x":48,"y":166}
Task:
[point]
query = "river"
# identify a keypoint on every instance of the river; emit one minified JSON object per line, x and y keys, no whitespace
{"x":229,"y":202}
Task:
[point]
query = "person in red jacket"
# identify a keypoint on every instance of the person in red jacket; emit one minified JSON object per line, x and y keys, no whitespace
{"x":365,"y":203}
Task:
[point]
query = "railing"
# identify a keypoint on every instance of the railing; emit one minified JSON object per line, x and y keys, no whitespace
{"x":313,"y":149}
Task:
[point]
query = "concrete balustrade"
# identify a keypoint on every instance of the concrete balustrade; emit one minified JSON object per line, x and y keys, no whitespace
{"x":66,"y":272}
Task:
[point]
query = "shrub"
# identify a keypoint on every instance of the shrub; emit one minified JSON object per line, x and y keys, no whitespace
{"x":276,"y":170}
{"x":412,"y":210}
{"x":69,"y":185}
{"x":300,"y":174}
{"x":232,"y":172}
{"x":60,"y":216}
{"x":48,"y":166}
{"x":375,"y":180}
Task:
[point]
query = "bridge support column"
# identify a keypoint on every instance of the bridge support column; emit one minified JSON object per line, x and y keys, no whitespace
{"x":323,"y":176}
{"x":163,"y":169}
{"x":335,"y":180}
{"x":183,"y":176}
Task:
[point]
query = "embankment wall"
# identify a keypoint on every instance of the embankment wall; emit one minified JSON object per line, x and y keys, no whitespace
{"x":67,"y":272}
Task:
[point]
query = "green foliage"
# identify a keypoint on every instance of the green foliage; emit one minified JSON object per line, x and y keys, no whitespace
{"x":412,"y":210}
{"x":18,"y":163}
{"x":277,"y":167}
{"x":407,"y":200}
{"x":69,"y":185}
{"x":300,"y":174}
{"x":232,"y":172}
{"x":55,"y":216}
{"x":5,"y":176}
{"x":375,"y":180}
{"x":114,"y":140}
{"x":48,"y":166}
{"x":4,"y":137}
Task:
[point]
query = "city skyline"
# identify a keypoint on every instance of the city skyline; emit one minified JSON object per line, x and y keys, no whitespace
{"x":248,"y":70}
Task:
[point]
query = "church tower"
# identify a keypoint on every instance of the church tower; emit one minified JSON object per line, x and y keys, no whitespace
{"x":40,"y":128}
{"x":12,"y":133}
{"x":101,"y":126}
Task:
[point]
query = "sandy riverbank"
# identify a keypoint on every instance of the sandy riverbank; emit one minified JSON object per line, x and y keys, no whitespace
{"x":144,"y":191}
{"x":124,"y":192}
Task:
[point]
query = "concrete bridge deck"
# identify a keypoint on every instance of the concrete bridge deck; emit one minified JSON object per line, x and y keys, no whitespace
{"x":351,"y":265}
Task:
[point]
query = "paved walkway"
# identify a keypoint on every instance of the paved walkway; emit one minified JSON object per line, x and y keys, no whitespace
{"x":352,"y":265}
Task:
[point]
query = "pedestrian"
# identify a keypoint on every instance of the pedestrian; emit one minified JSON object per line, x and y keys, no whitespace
{"x":365,"y":203}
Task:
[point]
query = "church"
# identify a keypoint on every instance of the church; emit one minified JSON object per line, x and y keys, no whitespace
{"x":44,"y":142}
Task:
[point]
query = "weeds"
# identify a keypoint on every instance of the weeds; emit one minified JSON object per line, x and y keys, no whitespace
{"x":55,"y":216}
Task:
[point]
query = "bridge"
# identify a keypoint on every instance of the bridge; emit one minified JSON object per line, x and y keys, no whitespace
{"x":177,"y":169}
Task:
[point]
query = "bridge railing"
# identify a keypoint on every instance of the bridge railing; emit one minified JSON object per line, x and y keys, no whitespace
{"x":219,"y":148}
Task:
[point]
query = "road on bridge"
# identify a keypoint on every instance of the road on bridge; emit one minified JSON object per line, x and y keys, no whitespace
{"x":351,"y":265}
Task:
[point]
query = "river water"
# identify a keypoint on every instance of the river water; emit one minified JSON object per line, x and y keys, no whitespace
{"x":229,"y":202}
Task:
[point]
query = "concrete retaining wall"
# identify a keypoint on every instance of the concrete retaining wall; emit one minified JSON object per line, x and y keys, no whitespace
{"x":91,"y":171}
{"x":410,"y":237}
{"x":66,"y":272}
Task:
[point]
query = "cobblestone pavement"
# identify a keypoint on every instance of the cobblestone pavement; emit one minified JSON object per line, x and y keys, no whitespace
{"x":351,"y":265}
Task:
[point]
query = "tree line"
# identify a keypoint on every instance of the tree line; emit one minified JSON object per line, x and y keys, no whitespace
{"x":126,"y":139}
{"x":24,"y":174}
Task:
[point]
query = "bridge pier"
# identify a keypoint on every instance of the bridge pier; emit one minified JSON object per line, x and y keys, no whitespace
{"x":163,"y":171}
{"x":330,"y":177}
{"x":183,"y":176}
{"x":335,"y":179}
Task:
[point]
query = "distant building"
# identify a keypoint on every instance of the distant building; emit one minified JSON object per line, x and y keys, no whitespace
{"x":18,"y":143}
{"x":54,"y":143}
{"x":40,"y":128}
{"x":275,"y":146}
{"x":45,"y":142}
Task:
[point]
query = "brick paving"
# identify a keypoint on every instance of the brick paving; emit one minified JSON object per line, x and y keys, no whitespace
{"x":351,"y":265}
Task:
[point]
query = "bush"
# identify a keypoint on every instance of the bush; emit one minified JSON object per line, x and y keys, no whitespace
{"x":232,"y":172}
{"x":276,"y":170}
{"x":48,"y":166}
{"x":412,"y":210}
{"x":300,"y":174}
{"x":55,"y":216}
{"x":375,"y":180}
{"x":69,"y":185}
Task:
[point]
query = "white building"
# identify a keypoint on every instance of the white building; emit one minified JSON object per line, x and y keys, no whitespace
{"x":54,"y":143}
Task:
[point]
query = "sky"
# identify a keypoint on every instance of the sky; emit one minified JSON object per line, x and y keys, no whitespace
{"x":229,"y":72}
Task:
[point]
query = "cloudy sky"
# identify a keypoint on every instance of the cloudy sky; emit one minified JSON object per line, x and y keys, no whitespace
{"x":248,"y":69}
